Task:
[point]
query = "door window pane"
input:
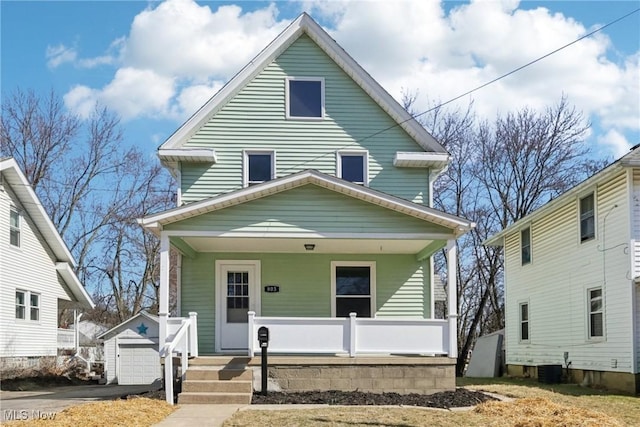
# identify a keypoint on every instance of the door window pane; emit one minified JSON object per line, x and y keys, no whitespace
{"x":237,"y":297}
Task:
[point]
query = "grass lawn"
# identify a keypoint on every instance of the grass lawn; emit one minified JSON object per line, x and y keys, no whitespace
{"x":535,"y":405}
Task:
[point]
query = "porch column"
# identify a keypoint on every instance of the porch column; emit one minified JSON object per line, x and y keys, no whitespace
{"x":452,"y":263}
{"x":163,"y":304}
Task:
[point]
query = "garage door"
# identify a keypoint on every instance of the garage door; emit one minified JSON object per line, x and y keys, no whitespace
{"x":139,"y":364}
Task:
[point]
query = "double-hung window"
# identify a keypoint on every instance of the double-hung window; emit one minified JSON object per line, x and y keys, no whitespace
{"x":596,"y":312}
{"x":27,"y":305}
{"x":524,"y":321}
{"x":525,"y":245}
{"x":353,"y":166}
{"x":259,"y":166}
{"x":354,"y":288}
{"x":305,"y":98}
{"x":587,"y":218}
{"x":14,"y":227}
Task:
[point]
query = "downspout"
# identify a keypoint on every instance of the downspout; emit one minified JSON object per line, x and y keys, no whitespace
{"x":76,"y":339}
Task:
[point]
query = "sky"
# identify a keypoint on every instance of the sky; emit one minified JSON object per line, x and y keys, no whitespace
{"x":155,"y":63}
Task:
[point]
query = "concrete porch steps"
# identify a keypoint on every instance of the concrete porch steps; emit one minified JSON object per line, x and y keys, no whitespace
{"x":215,"y":384}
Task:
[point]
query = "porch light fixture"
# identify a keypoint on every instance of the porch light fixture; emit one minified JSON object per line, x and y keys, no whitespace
{"x":309,"y":246}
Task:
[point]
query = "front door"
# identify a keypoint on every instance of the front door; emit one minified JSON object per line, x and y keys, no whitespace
{"x":238,"y":285}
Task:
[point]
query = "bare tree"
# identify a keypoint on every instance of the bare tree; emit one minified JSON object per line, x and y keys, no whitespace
{"x":500,"y":172}
{"x":93,"y":186}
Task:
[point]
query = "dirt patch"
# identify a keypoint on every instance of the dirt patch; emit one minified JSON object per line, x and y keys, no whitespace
{"x":448,"y":399}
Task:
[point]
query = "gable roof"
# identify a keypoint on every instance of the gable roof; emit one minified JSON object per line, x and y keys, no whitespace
{"x":631,"y":159}
{"x":121,"y":326}
{"x":64,"y":261}
{"x":366,"y":194}
{"x":304,"y":24}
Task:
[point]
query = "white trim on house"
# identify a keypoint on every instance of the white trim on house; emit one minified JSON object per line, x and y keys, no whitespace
{"x":436,"y":161}
{"x":220,"y":295}
{"x":372,"y":283}
{"x":305,"y":24}
{"x":365,"y":164}
{"x":245,"y":165}
{"x":31,"y":207}
{"x":171,"y":157}
{"x":629,"y":160}
{"x":458,"y":225}
{"x":287,"y":91}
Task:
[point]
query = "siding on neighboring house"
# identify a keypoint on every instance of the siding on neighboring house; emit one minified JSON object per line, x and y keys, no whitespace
{"x":635,"y":236}
{"x":557,"y":296}
{"x":309,"y":209}
{"x":31,"y":268}
{"x":255,"y":119}
{"x":110,"y":360}
{"x":305,"y":286}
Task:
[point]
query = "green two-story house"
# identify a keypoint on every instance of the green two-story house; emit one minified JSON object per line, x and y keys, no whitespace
{"x":304,"y":205}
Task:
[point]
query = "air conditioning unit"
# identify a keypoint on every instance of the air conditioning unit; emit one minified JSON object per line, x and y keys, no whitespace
{"x":550,"y":374}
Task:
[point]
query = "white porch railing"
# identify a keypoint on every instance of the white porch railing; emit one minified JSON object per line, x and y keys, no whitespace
{"x":181,"y":339}
{"x":66,"y":338}
{"x":351,"y":335}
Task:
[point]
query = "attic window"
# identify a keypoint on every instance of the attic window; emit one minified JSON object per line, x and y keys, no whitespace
{"x":259,"y":166}
{"x":305,"y":98}
{"x":14,"y":227}
{"x":587,"y":218}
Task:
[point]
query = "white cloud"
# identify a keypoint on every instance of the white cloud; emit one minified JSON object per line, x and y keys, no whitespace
{"x":178,"y":53}
{"x":60,"y":54}
{"x":616,"y":142}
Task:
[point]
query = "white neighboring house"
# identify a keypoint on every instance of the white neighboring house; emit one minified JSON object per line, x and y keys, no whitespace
{"x":131,"y":351}
{"x":572,"y":281}
{"x":37,"y":280}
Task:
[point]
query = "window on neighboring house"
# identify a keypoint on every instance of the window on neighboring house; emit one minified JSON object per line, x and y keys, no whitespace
{"x":27,"y":300}
{"x":596,"y":319}
{"x":305,"y":98}
{"x":14,"y":227}
{"x":21,"y":301}
{"x":354,"y":288}
{"x":587,"y":218}
{"x":259,"y":166}
{"x":353,"y":166}
{"x":524,"y":321}
{"x":525,"y":245}
{"x":34,"y":306}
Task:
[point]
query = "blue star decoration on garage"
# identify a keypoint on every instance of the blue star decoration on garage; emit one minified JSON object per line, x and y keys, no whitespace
{"x":142,"y":329}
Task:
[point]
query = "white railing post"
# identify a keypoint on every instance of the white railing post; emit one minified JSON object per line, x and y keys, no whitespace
{"x":168,"y":376}
{"x":184,"y":360}
{"x":251,"y":326}
{"x":163,"y":304}
{"x":352,"y":334}
{"x":193,"y":334}
{"x":452,"y":264}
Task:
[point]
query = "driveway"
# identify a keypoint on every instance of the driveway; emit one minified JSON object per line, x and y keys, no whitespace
{"x":20,"y":405}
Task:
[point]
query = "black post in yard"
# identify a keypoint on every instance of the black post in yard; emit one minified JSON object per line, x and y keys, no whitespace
{"x":263,"y":339}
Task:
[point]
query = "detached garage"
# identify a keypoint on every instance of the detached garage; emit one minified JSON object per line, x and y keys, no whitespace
{"x":131,"y":351}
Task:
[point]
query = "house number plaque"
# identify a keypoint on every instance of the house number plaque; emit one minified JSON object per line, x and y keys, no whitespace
{"x":270,"y":289}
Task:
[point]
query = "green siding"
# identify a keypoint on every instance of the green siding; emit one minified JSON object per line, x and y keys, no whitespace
{"x":308,"y":209}
{"x":255,"y":119}
{"x":402,"y":287}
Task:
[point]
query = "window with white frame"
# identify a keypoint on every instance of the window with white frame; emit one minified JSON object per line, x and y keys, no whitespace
{"x":525,"y":245}
{"x":596,"y":313}
{"x":259,"y":166}
{"x":353,"y":166}
{"x":524,"y":321}
{"x":587,"y":218}
{"x":354,"y":288}
{"x":14,"y":227}
{"x":305,"y":98}
{"x":27,"y":305}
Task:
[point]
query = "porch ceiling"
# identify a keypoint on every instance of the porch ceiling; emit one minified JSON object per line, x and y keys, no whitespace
{"x":297,"y":245}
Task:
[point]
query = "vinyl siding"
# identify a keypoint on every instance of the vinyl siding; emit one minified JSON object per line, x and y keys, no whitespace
{"x":635,"y":223}
{"x":556,"y":281}
{"x":31,"y":267}
{"x":255,"y":119}
{"x":402,"y":287}
{"x":308,"y":209}
{"x":110,"y":360}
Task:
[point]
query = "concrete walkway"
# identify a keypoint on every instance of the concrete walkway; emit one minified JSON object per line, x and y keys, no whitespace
{"x":200,"y":415}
